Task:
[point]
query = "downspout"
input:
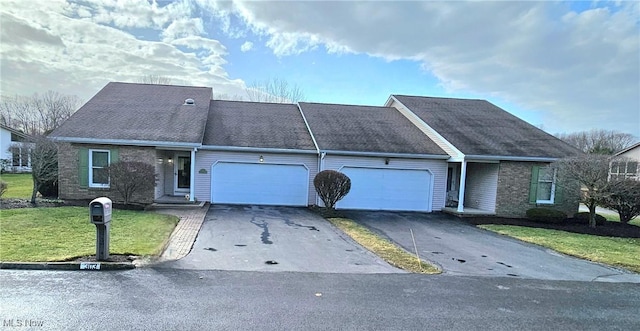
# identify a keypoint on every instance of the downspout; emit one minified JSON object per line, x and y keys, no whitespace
{"x":192,"y":177}
{"x":463,"y":180}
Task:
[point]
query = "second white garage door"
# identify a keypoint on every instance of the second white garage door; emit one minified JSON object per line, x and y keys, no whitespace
{"x":259,"y":183}
{"x":387,"y":189}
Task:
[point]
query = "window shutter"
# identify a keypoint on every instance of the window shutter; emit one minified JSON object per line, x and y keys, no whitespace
{"x":114,"y":155}
{"x":533,"y":188}
{"x":83,"y":167}
{"x":558,"y":198}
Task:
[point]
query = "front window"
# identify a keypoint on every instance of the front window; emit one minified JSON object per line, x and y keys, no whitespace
{"x":546,"y":185}
{"x":98,"y":172}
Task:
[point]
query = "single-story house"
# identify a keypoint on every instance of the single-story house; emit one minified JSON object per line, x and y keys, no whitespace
{"x":498,"y":162}
{"x":626,"y":164}
{"x":15,"y":150}
{"x":413,"y":154}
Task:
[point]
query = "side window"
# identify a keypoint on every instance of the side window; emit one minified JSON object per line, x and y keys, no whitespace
{"x":98,"y":172}
{"x":543,"y":185}
{"x":546,"y":185}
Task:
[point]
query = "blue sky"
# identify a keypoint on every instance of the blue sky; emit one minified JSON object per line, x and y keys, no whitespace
{"x":563,"y":66}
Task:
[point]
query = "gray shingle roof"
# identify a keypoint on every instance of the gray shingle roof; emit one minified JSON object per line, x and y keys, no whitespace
{"x":478,"y":127}
{"x":259,"y":125}
{"x":128,"y":111}
{"x":365,"y":129}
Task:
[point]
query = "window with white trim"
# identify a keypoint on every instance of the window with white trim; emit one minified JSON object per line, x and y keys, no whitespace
{"x":624,"y":170}
{"x":98,"y":163}
{"x":546,"y":190}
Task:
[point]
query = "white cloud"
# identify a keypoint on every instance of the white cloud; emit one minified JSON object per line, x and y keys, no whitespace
{"x":56,"y":46}
{"x":246,"y":46}
{"x":577,"y":68}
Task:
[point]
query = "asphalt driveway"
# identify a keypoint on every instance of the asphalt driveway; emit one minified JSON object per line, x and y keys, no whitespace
{"x":462,"y":249}
{"x":264,"y":238}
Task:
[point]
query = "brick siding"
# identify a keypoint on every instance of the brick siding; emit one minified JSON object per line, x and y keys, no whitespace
{"x":68,"y":173}
{"x":514,"y":180}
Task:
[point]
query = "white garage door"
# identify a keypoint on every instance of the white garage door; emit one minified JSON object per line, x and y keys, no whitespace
{"x":263,"y":184}
{"x":387,"y":189}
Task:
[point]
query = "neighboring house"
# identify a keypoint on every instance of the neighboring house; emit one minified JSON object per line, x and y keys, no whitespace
{"x":15,"y":151}
{"x":626,"y":165}
{"x":415,"y":154}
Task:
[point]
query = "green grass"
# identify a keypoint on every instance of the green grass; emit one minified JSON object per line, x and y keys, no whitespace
{"x":616,"y":218}
{"x":62,"y":233}
{"x":388,"y":251}
{"x":19,"y":185}
{"x":621,"y":252}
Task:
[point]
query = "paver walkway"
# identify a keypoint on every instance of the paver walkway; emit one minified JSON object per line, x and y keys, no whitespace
{"x":185,"y":233}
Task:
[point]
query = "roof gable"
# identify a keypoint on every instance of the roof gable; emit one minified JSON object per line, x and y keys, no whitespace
{"x":257,"y":125}
{"x":140,"y":112}
{"x":478,"y":127}
{"x":365,"y":129}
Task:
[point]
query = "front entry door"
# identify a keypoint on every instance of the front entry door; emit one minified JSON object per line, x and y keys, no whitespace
{"x":182,"y":174}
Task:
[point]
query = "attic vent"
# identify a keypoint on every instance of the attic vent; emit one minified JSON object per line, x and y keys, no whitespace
{"x":189,"y":102}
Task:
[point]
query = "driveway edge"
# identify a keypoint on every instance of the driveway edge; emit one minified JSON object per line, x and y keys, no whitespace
{"x":88,"y":266}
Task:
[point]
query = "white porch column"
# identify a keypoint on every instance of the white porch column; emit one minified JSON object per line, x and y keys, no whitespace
{"x":192,"y":177}
{"x":463,"y":180}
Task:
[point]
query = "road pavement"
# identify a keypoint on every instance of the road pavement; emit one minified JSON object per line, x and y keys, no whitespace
{"x":171,"y":299}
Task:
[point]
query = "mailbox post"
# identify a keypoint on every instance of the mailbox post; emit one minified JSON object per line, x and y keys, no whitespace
{"x":100,"y":215}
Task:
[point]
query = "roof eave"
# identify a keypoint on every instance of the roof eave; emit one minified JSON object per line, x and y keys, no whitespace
{"x":387,"y":154}
{"x":510,"y":158}
{"x":126,"y":142}
{"x":258,"y":149}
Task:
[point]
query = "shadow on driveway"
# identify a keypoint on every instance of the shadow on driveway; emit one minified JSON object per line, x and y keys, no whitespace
{"x":462,"y":249}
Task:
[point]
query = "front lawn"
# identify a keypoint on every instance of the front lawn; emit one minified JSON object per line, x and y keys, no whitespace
{"x":62,"y":233}
{"x":622,"y":252}
{"x":19,"y":185}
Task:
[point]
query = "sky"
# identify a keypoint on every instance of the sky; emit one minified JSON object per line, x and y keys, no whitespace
{"x":563,"y":66}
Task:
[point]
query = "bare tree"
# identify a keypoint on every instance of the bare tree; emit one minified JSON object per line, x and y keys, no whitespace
{"x":331,"y":186}
{"x":131,"y":177}
{"x":229,"y":97}
{"x":598,"y":141}
{"x":155,"y":79}
{"x":592,"y":172}
{"x":624,"y":198}
{"x":38,"y":114}
{"x":44,"y":163}
{"x":275,"y":90}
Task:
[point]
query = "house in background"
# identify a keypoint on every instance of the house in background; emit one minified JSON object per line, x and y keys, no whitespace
{"x":413,"y":154}
{"x":626,"y":164}
{"x":14,"y":150}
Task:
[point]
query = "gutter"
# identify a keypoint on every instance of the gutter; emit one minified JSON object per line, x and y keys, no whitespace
{"x":257,"y":149}
{"x":126,"y":142}
{"x":509,"y":158}
{"x":397,"y":155}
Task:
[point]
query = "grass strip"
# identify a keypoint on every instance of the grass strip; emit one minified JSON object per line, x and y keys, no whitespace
{"x":385,"y":249}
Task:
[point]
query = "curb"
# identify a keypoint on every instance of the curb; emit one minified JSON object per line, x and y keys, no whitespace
{"x":80,"y":266}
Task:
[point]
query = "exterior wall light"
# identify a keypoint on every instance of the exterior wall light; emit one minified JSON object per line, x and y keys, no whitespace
{"x":261,"y":159}
{"x":170,"y":160}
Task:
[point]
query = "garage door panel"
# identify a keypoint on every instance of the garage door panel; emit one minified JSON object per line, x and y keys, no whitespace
{"x":387,"y":189}
{"x":268,"y":184}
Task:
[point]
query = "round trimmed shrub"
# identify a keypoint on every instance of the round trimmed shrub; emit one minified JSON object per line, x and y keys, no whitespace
{"x":49,"y":189}
{"x":583,"y":218}
{"x":546,"y":215}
